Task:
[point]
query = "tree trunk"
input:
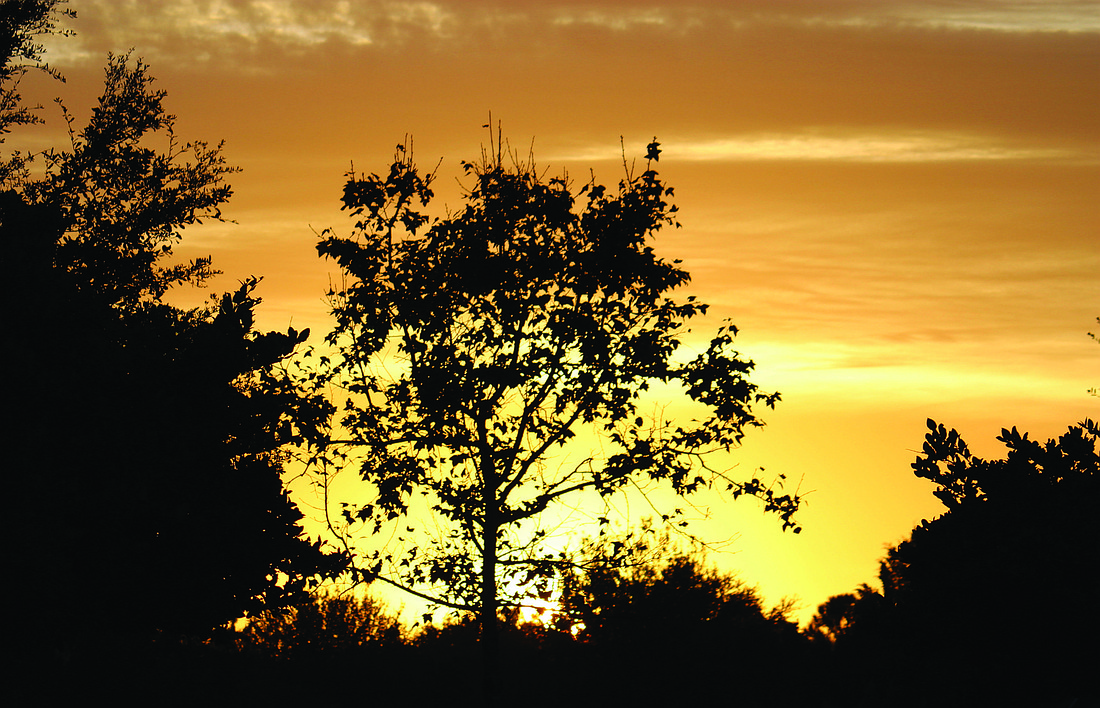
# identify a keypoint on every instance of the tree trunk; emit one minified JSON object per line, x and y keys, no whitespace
{"x":488,"y":618}
{"x":489,"y":633}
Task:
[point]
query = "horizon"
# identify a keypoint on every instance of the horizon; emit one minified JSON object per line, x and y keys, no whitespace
{"x":894,"y":203}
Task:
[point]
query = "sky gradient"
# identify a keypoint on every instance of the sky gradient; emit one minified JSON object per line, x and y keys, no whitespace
{"x":898,"y":203}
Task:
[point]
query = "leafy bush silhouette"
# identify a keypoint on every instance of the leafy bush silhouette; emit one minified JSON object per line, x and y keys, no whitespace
{"x":978,"y":603}
{"x":327,"y":624}
{"x":691,"y":620}
{"x":149,"y":437}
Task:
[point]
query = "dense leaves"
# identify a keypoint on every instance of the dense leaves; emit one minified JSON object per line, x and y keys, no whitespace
{"x":682,"y":599}
{"x":326,"y":625}
{"x":647,"y":628}
{"x":473,"y":349}
{"x":1030,"y":470}
{"x":679,"y":630}
{"x":147,"y":439}
{"x":979,"y":603}
{"x":22,"y":23}
{"x":122,"y":203}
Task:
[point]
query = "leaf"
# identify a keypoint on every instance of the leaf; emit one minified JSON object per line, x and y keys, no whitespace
{"x":653,"y":151}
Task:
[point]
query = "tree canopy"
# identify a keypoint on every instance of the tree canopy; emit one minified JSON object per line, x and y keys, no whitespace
{"x":22,"y":22}
{"x":473,"y":348}
{"x":981,"y":601}
{"x":148,"y":439}
{"x":326,"y":624}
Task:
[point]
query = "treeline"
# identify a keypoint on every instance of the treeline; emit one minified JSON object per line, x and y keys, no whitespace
{"x":986,"y":604}
{"x":147,"y":445}
{"x":671,"y":631}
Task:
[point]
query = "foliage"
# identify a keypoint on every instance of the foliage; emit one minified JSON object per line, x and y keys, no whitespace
{"x":640,"y":623}
{"x":1021,"y":517}
{"x":326,"y":623}
{"x":474,"y":348}
{"x":123,"y":204}
{"x":1030,"y":470}
{"x":681,"y":600}
{"x":841,"y":615}
{"x":21,"y":23}
{"x":150,"y":438}
{"x":990,"y":585}
{"x":675,"y":618}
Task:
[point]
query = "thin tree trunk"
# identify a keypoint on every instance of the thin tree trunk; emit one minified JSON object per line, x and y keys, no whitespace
{"x":489,"y":635}
{"x":489,"y":630}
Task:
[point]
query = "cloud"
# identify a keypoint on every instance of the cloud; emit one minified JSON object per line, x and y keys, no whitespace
{"x":781,"y":79}
{"x":171,"y":26}
{"x":869,"y":148}
{"x":197,"y":30}
{"x":1007,"y":15}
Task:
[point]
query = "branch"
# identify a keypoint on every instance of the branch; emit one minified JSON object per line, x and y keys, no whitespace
{"x":521,"y":431}
{"x":429,"y":598}
{"x":539,"y":504}
{"x":537,"y":454}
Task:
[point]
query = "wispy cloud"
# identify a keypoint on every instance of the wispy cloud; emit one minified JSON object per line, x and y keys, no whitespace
{"x":1007,"y":15}
{"x":867,"y":148}
{"x":863,"y":148}
{"x":186,"y":29}
{"x":298,"y":24}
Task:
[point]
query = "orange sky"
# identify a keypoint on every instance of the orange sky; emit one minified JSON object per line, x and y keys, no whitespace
{"x":897,"y":202}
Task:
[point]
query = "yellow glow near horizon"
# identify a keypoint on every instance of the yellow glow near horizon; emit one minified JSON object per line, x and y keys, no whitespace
{"x":896,"y":202}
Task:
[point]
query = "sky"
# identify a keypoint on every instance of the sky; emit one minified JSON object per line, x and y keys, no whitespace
{"x":897,"y":203}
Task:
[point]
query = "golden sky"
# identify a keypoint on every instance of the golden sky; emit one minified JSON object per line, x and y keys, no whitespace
{"x":897,"y":202}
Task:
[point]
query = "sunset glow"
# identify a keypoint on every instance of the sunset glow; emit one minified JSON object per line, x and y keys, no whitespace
{"x":897,"y":203}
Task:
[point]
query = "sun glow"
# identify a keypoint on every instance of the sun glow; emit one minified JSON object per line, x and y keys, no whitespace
{"x":540,"y":604}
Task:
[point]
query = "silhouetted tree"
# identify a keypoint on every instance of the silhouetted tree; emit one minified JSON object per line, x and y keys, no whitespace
{"x":646,"y":605}
{"x":147,"y":439}
{"x":700,"y":622}
{"x":22,"y":22}
{"x":646,"y":625}
{"x":840,"y":615}
{"x":980,"y":603}
{"x":473,"y":348}
{"x":327,"y":623}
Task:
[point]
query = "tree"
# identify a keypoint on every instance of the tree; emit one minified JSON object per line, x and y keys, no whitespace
{"x":149,"y":441}
{"x":979,"y":603}
{"x":836,"y":618}
{"x":682,"y":601}
{"x":665,"y":598}
{"x":1062,"y":468}
{"x":473,"y":348}
{"x":325,"y":624}
{"x":21,"y":23}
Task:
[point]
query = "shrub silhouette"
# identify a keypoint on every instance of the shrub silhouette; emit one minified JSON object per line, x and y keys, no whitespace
{"x":979,"y":603}
{"x":327,"y":624}
{"x":149,"y":437}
